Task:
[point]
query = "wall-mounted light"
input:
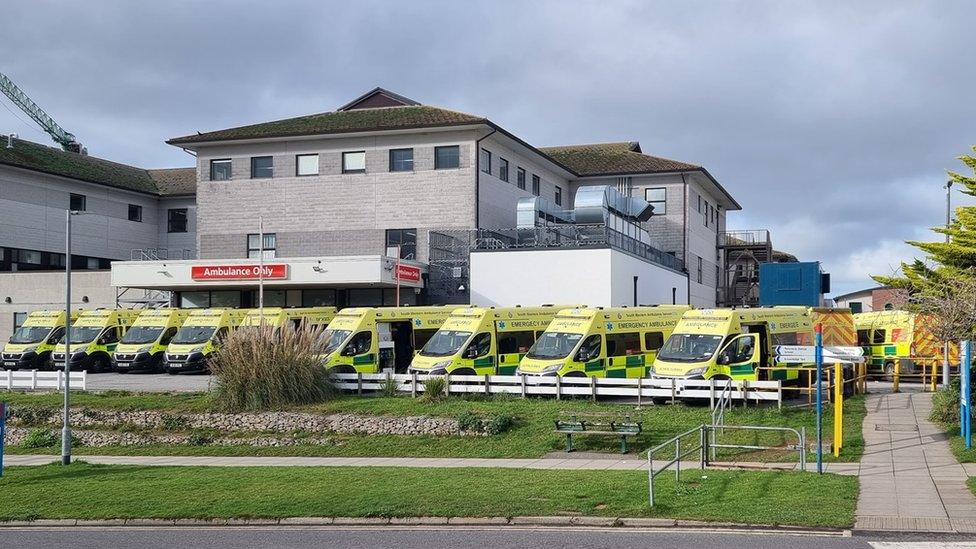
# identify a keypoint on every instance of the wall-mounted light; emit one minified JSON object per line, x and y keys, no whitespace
{"x":84,"y":299}
{"x":8,"y":300}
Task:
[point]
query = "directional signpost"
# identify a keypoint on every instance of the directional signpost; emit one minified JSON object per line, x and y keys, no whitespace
{"x":965,"y":396}
{"x":818,"y":354}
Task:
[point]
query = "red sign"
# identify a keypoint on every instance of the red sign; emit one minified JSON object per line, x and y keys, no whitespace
{"x":406,"y":273}
{"x":272,"y":271}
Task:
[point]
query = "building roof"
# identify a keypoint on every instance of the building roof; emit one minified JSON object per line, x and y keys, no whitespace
{"x":41,"y":158}
{"x":613,"y":159}
{"x":339,"y":122}
{"x":175,"y":181}
{"x":859,"y":293}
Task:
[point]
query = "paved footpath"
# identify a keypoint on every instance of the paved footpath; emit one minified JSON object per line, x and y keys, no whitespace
{"x":909,"y":478}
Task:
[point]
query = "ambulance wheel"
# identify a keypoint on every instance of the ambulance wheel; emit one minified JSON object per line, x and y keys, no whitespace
{"x":343,"y":370}
{"x":464,"y":372}
{"x":100,"y":364}
{"x":575,"y":374}
{"x":889,"y":371}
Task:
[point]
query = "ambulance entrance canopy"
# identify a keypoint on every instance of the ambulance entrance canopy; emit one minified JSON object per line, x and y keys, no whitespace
{"x":366,"y":280}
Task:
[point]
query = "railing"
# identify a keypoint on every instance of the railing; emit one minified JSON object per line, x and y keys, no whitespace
{"x":34,"y":380}
{"x":718,"y":412}
{"x":640,"y":389}
{"x":159,"y":254}
{"x":572,"y":236}
{"x":704,"y":445}
{"x":752,"y":237}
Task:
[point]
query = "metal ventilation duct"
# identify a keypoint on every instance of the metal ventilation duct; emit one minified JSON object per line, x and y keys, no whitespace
{"x":593,"y":201}
{"x":532,"y":211}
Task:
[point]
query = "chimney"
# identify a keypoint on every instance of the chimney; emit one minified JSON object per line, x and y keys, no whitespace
{"x":10,"y":140}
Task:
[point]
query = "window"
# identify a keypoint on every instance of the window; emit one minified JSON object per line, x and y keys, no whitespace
{"x":657,"y":197}
{"x":863,"y":337}
{"x":447,"y":157}
{"x":785,"y":338}
{"x":486,"y":161}
{"x":515,"y":342}
{"x":19,"y":319}
{"x":536,"y":184}
{"x":503,"y":169}
{"x":878,"y":337}
{"x":559,"y":195}
{"x":623,"y":344}
{"x":705,"y":213}
{"x":856,"y":307}
{"x":700,"y":270}
{"x":480,"y":346}
{"x":360,"y":344}
{"x":354,"y":162}
{"x":255,"y":249}
{"x":307,"y":164}
{"x":176,"y":220}
{"x":520,"y":178}
{"x":653,"y":341}
{"x":135,"y":213}
{"x":262,"y":167}
{"x":220,"y":169}
{"x":401,"y":160}
{"x":405,"y":239}
{"x":318,"y":298}
{"x":77,"y":202}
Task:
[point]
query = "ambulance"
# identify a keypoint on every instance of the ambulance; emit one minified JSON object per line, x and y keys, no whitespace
{"x":144,"y":344}
{"x":198,"y":339}
{"x":31,"y":345}
{"x":295,"y":317}
{"x":372,"y":339}
{"x":733,"y":343}
{"x":891,"y":338}
{"x":602,"y":342}
{"x":480,"y":340}
{"x":837,"y":324}
{"x":94,"y":337}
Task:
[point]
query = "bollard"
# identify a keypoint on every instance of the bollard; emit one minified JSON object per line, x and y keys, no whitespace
{"x":896,"y":370}
{"x":838,"y":408}
{"x":935,"y":375}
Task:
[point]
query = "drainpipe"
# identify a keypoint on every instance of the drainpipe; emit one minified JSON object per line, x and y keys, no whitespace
{"x":477,"y":179}
{"x":684,"y":234}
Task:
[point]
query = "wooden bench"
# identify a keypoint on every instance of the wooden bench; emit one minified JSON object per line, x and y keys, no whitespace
{"x":604,"y":424}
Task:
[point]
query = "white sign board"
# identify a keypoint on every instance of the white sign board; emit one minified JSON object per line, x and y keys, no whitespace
{"x":807,"y":354}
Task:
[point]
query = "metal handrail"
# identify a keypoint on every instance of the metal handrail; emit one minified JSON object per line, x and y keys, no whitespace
{"x":801,"y":436}
{"x":718,"y":414}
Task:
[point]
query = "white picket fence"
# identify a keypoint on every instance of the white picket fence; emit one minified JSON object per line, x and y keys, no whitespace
{"x":558,"y":387}
{"x":35,"y":380}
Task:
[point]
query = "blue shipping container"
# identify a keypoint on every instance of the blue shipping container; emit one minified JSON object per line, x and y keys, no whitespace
{"x":792,"y":284}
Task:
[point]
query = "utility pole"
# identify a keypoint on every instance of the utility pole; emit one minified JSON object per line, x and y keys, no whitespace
{"x":66,"y":429}
{"x":945,"y":350}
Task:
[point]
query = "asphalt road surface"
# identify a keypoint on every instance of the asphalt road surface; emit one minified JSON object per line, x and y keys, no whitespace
{"x":435,"y":538}
{"x":140,"y":382}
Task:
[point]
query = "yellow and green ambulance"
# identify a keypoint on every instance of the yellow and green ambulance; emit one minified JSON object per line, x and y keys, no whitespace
{"x":144,"y":343}
{"x":94,"y":337}
{"x":296,"y":317}
{"x":31,"y":345}
{"x":602,"y":342}
{"x":372,"y":339}
{"x":901,"y":338}
{"x":198,"y":339}
{"x":483,"y":340}
{"x":733,"y":343}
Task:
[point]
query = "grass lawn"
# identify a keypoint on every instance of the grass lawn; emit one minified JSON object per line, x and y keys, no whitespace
{"x":972,"y":484}
{"x":959,"y":449}
{"x":532,"y":436}
{"x":101,"y":491}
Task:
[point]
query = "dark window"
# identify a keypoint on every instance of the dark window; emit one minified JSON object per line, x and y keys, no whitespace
{"x":486,"y":161}
{"x":590,"y":349}
{"x":421,"y":337}
{"x":520,"y":178}
{"x":515,"y":342}
{"x":479,"y":346}
{"x":354,"y":162}
{"x":176,"y":220}
{"x":254,"y":247}
{"x":856,"y":307}
{"x":785,"y":338}
{"x":405,"y":239}
{"x":360,"y":343}
{"x":503,"y":169}
{"x":77,"y":202}
{"x":262,"y":167}
{"x":19,"y":319}
{"x":220,"y":170}
{"x":401,"y":160}
{"x":447,"y":157}
{"x":657,"y":197}
{"x":111,"y":335}
{"x":559,"y":195}
{"x":653,"y":341}
{"x":135,"y":213}
{"x":167,"y":335}
{"x":318,"y":298}
{"x":307,"y":164}
{"x":536,"y":184}
{"x":864,"y":337}
{"x":699,"y":270}
{"x":623,"y":344}
{"x":878,"y":337}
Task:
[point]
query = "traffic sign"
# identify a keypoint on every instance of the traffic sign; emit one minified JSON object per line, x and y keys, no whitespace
{"x":807,"y":354}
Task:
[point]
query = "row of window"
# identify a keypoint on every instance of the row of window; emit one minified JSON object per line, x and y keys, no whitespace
{"x":709,"y":212}
{"x":176,"y":218}
{"x":485,"y":163}
{"x":17,"y":259}
{"x":402,"y":240}
{"x":313,"y":297}
{"x":400,"y":160}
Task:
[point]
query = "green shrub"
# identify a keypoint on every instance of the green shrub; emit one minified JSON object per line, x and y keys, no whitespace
{"x":468,"y":421}
{"x":172,"y":422}
{"x":390,"y":387}
{"x":266,"y":368}
{"x":40,"y":438}
{"x":945,"y":403}
{"x":199,"y":439}
{"x":29,"y":416}
{"x":434,"y":388}
{"x":500,"y":424}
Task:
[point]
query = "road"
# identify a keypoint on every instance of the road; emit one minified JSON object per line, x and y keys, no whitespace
{"x":430,"y":538}
{"x":139,"y":382}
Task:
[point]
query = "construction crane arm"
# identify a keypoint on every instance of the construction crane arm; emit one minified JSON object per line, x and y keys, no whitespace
{"x":64,"y":138}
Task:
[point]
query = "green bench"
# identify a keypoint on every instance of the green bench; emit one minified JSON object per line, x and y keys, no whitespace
{"x":605,"y":424}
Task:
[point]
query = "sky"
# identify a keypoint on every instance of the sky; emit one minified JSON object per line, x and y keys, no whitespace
{"x":832,"y":123}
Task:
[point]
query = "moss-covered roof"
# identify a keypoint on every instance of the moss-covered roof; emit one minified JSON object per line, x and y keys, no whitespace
{"x":337,"y":122}
{"x":175,"y":181}
{"x":613,"y":159}
{"x":41,"y":158}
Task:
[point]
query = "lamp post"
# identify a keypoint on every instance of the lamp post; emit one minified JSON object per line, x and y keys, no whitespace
{"x":66,"y":428}
{"x":261,"y":270}
{"x":945,"y":350}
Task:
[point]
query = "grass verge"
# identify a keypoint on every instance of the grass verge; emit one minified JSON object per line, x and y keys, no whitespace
{"x":958,"y":446}
{"x":531,"y":437}
{"x":85,"y":491}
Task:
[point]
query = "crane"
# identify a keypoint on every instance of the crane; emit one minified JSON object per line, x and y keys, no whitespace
{"x":58,"y":134}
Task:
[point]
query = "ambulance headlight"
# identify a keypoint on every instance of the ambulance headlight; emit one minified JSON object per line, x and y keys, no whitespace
{"x":197,"y":349}
{"x":29,"y":349}
{"x":696,"y":371}
{"x":144,"y":350}
{"x":439,"y":368}
{"x":552,"y":369}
